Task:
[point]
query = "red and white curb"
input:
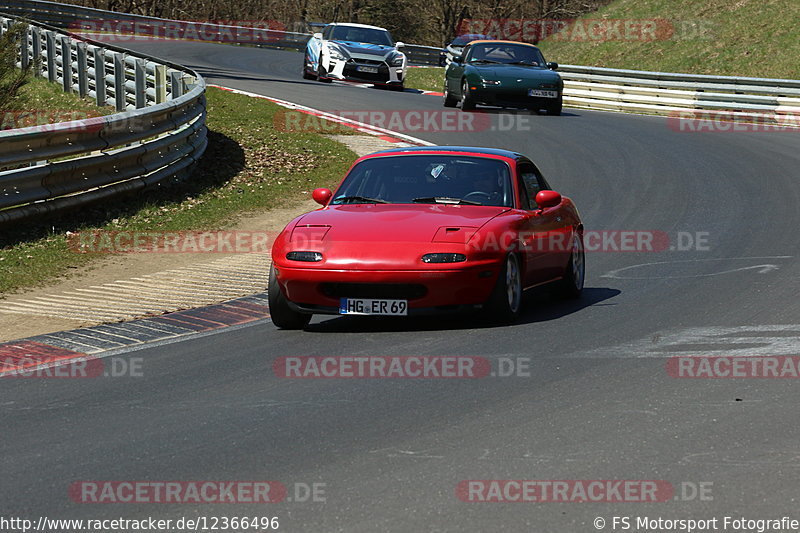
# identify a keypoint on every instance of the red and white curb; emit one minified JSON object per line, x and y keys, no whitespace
{"x":29,"y":357}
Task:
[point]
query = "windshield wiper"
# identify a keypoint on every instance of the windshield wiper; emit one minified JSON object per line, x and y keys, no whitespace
{"x":362,"y":199}
{"x":484,"y":61}
{"x":443,"y":200}
{"x":526,"y":63}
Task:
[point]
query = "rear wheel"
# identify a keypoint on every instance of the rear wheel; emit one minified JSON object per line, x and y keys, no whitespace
{"x":505,"y":303}
{"x":467,"y":103}
{"x":571,"y":285}
{"x":279,"y":311}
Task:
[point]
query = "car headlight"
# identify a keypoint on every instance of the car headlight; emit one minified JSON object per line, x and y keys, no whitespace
{"x":444,"y":258}
{"x":491,"y":82}
{"x":397,"y":61}
{"x":337,"y":54}
{"x":308,"y":257}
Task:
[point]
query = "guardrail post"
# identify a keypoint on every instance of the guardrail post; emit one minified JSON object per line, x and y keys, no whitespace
{"x":24,"y":49}
{"x":83,"y":70}
{"x":99,"y":76}
{"x":36,"y":37}
{"x":140,"y":79}
{"x":50,"y":44}
{"x":161,"y":83}
{"x":176,"y":84}
{"x":119,"y":82}
{"x":66,"y":64}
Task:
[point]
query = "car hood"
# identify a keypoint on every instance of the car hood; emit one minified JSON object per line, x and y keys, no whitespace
{"x":515,"y":72}
{"x":398,"y":222}
{"x":378,"y":51}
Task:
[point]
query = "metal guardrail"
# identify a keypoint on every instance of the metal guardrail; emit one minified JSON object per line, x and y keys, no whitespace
{"x":79,"y":19}
{"x":665,"y":93}
{"x":159,"y":131}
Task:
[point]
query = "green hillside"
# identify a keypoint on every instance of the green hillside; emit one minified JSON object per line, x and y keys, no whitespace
{"x":758,"y":38}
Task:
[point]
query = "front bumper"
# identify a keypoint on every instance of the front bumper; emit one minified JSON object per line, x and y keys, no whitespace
{"x":353,"y":70}
{"x":516,"y":97}
{"x":319,"y":290}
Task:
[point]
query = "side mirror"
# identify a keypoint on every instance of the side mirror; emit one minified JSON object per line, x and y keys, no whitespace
{"x":545,"y":199}
{"x":552,"y":66}
{"x":317,"y":36}
{"x":322,"y":196}
{"x":399,"y":44}
{"x":458,"y":59}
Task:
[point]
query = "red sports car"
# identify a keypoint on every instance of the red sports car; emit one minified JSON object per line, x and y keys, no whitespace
{"x":424,"y":230}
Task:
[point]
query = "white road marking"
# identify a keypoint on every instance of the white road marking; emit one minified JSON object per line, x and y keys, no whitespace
{"x":761,"y":269}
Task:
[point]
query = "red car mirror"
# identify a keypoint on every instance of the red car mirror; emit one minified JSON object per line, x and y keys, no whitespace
{"x":545,"y":199}
{"x":322,"y":196}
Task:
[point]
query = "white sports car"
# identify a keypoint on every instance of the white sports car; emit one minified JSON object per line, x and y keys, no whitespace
{"x":355,"y":52}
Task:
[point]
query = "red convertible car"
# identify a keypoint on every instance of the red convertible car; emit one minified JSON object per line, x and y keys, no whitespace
{"x":424,"y":230}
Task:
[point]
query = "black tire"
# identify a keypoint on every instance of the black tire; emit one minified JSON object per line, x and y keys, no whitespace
{"x":279,"y":311}
{"x":467,"y":104}
{"x":306,"y":74}
{"x":448,"y":99}
{"x":321,"y":72}
{"x":555,"y":108}
{"x":571,"y":285}
{"x":505,"y":303}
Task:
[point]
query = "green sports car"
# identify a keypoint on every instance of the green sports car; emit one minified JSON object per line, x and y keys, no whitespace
{"x":505,"y":74}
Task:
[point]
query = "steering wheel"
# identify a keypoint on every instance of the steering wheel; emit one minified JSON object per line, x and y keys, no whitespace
{"x":487,"y":197}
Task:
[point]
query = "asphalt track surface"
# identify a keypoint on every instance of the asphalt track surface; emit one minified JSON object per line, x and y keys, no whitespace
{"x":598,"y":403}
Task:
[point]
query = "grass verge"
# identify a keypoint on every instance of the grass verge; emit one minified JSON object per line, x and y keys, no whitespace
{"x":41,"y":102}
{"x":249,"y":165}
{"x":425,"y":78}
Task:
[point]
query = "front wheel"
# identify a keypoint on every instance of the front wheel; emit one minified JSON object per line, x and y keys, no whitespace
{"x":279,"y":311}
{"x":571,"y":285}
{"x":322,"y":74}
{"x":306,"y":74}
{"x":555,"y":108}
{"x":449,"y":100}
{"x":467,"y":103}
{"x":505,"y":303}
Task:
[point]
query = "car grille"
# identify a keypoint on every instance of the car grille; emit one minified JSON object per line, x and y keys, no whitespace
{"x":390,"y":291}
{"x":381,"y":76}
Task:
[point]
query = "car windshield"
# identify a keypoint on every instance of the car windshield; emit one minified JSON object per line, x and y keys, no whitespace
{"x":506,"y":53}
{"x":445,"y":179}
{"x":361,"y":35}
{"x":462,"y":40}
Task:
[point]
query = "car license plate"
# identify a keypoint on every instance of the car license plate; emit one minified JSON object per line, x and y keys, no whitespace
{"x":371,"y":70}
{"x":363,"y":306}
{"x":542,"y":94}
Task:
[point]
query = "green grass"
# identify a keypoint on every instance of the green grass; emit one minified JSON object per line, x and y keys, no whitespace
{"x":249,"y":165}
{"x":42,"y":102}
{"x":759,"y":38}
{"x":425,"y":78}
